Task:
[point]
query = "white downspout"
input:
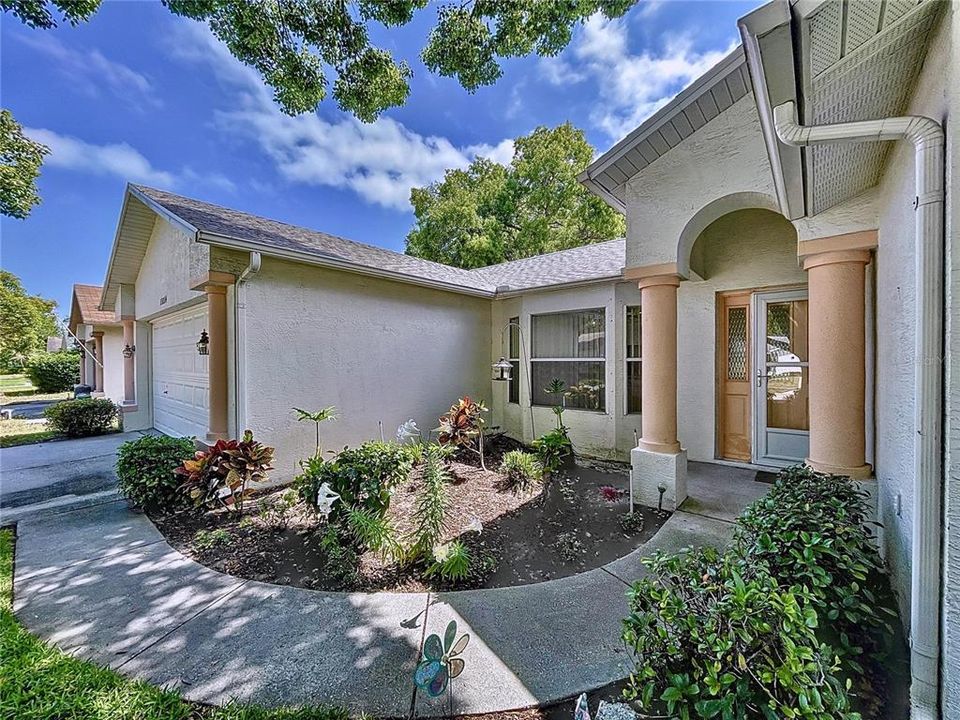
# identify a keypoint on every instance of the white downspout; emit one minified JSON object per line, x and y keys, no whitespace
{"x":240,"y":340}
{"x":925,"y":589}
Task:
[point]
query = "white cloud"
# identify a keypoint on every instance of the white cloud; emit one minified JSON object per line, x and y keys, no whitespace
{"x":379,"y":161}
{"x":120,"y":160}
{"x":631,"y":86}
{"x":90,"y":71}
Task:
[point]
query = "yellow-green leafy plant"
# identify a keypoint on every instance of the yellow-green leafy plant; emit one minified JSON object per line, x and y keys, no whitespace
{"x":430,"y":511}
{"x":522,"y":469}
{"x":318,"y":417}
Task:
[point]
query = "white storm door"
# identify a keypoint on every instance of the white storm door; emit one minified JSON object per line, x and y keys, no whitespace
{"x":781,"y":380}
{"x":180,"y":380}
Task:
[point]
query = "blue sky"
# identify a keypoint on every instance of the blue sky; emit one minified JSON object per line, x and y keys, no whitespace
{"x":142,"y":95}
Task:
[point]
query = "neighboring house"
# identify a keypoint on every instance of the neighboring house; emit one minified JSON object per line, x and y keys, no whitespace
{"x":772,"y":304}
{"x":100,"y":337}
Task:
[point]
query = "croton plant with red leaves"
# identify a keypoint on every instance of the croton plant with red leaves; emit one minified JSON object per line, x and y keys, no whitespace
{"x":221,"y":475}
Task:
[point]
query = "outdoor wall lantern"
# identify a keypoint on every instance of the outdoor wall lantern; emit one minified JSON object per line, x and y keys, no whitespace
{"x":128,"y":351}
{"x":501,"y":370}
{"x":203,"y":344}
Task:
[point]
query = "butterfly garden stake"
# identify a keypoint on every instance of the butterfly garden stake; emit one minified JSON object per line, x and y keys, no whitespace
{"x":440,"y":662}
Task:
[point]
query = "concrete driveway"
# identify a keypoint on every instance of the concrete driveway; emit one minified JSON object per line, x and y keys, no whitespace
{"x":64,"y":471}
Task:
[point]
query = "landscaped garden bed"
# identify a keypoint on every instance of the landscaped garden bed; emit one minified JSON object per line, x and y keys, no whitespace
{"x":577,"y":520}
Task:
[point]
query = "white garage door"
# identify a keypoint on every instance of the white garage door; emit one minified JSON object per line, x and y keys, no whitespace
{"x":180,"y":382}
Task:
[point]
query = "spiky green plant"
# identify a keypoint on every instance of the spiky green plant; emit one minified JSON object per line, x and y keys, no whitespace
{"x":375,"y":532}
{"x":451,"y":562}
{"x":522,"y":469}
{"x":320,"y":416}
{"x":430,"y":513}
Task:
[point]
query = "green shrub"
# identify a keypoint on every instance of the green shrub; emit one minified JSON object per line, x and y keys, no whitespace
{"x":80,"y":418}
{"x":363,"y":477}
{"x":552,"y":448}
{"x":715,"y":635}
{"x":521,"y":469}
{"x":146,"y":471}
{"x":54,"y":372}
{"x":810,"y":531}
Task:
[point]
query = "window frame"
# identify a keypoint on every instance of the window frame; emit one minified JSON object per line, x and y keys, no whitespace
{"x":513,"y":388}
{"x":627,"y":359}
{"x":602,"y":360}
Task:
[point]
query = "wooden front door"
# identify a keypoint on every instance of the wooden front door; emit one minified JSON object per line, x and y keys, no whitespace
{"x":734,"y":376}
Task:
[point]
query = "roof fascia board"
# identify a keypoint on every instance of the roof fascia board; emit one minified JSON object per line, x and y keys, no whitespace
{"x":515,"y":292}
{"x":131,"y":191}
{"x":683,"y":99}
{"x":768,"y":31}
{"x":310,"y":259}
{"x":609,"y":198}
{"x":162,"y":211}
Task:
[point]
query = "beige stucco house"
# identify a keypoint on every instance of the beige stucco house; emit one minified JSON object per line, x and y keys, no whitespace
{"x":100,"y":337}
{"x":786,"y":292}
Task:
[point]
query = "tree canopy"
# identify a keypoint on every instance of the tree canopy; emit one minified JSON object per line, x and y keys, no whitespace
{"x":295,"y":44}
{"x":26,"y":321}
{"x":489,"y":213}
{"x":20,"y":161}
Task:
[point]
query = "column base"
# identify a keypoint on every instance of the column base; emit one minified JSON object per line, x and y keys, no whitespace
{"x":665,"y":448}
{"x":860,"y":472}
{"x":652,"y":471}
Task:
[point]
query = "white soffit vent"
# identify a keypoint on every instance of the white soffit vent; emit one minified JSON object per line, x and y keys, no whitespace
{"x":859,"y":61}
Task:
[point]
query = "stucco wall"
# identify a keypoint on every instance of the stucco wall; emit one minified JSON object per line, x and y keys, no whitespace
{"x":377,"y":350}
{"x":742,"y":250}
{"x":724,"y":157}
{"x":947,"y":54}
{"x":171,"y":261}
{"x":896,"y":312}
{"x":113,"y":363}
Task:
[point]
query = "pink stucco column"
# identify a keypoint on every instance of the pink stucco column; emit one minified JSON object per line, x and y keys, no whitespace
{"x":98,"y":366}
{"x":658,"y":422}
{"x":836,"y":282}
{"x":129,"y":364}
{"x":217,"y":361}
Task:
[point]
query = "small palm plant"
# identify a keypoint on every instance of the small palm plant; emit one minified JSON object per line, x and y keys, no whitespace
{"x":322,"y":415}
{"x":557,"y":387}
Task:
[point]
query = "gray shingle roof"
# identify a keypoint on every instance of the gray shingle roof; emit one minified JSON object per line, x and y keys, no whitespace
{"x":590,"y":262}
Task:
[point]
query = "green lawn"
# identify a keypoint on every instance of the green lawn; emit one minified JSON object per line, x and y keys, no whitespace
{"x":15,"y":383}
{"x":20,"y":432}
{"x":39,"y":682}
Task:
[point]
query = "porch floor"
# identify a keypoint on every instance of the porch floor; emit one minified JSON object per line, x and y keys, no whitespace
{"x":720,"y":492}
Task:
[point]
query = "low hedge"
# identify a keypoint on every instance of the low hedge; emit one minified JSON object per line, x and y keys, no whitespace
{"x":146,"y":471}
{"x":774,"y":626}
{"x":54,"y":372}
{"x":80,"y":418}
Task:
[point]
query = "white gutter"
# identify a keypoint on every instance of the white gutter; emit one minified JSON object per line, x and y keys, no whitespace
{"x":240,"y":341}
{"x":925,"y":589}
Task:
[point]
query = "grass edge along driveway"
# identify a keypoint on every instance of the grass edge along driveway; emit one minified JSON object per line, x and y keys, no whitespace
{"x":39,"y":681}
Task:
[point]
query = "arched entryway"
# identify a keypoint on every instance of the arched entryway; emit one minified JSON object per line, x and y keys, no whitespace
{"x":742,"y":333}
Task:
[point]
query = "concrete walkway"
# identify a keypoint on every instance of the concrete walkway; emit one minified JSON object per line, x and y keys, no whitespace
{"x":101,"y":583}
{"x":58,"y":475}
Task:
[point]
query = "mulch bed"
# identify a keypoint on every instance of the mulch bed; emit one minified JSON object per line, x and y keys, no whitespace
{"x":565,"y":526}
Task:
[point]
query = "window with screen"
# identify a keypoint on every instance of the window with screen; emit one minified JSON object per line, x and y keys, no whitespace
{"x":513,"y":393}
{"x":570,"y":347}
{"x":634,"y":358}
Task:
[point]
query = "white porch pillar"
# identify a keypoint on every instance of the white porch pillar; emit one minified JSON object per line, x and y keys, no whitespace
{"x":98,"y":366}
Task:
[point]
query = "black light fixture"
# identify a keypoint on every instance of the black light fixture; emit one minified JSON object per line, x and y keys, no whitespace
{"x":129,"y":350}
{"x":501,"y":370}
{"x":203,"y":344}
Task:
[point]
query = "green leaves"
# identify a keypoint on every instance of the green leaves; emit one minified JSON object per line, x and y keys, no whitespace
{"x":20,"y":161}
{"x":146,"y":471}
{"x":740,"y":633}
{"x":488,"y":213}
